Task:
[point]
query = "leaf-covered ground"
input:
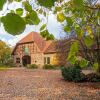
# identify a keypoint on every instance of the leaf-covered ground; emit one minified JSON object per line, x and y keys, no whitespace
{"x":27,"y":84}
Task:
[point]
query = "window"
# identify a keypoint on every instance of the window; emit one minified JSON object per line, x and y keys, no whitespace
{"x":46,"y":60}
{"x":17,"y":60}
{"x":26,"y":51}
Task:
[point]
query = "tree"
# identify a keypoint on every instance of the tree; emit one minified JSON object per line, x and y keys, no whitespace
{"x":5,"y":53}
{"x":84,"y":19}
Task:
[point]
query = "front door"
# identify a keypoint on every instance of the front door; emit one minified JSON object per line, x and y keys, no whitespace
{"x":26,"y":60}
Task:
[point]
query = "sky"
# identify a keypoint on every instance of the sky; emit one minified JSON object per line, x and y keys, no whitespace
{"x":53,"y":26}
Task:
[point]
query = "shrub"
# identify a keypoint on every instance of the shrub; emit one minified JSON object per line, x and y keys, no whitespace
{"x":10,"y":63}
{"x":49,"y":66}
{"x":72,"y":73}
{"x":92,"y":77}
{"x":32,"y":66}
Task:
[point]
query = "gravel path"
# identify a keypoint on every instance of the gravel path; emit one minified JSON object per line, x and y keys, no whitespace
{"x":27,"y":84}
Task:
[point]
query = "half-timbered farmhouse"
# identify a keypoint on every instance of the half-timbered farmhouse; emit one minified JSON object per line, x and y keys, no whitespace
{"x":33,"y":49}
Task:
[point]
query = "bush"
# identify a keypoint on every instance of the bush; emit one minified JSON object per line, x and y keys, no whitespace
{"x":49,"y":67}
{"x":72,"y":73}
{"x":10,"y":63}
{"x":32,"y":66}
{"x":92,"y":77}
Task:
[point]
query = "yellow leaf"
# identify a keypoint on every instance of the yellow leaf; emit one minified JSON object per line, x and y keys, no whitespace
{"x":60,"y":17}
{"x":89,"y":30}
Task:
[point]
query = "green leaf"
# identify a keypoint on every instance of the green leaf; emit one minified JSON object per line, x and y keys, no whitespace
{"x":18,"y":0}
{"x":44,"y":33}
{"x":60,"y":17}
{"x":78,"y":7}
{"x":78,"y":2}
{"x":19,"y":11}
{"x":32,"y":18}
{"x":72,"y":59}
{"x":50,"y":37}
{"x":13,"y":23}
{"x":57,"y":9}
{"x":69,"y":21}
{"x":79,"y":32}
{"x":83,"y":63}
{"x":98,"y":13}
{"x":95,"y":66}
{"x":72,"y":54}
{"x":2,"y":2}
{"x":43,"y":27}
{"x":67,"y":28}
{"x":27,"y":6}
{"x":88,"y":41}
{"x":46,"y":3}
{"x":10,"y":1}
{"x":28,"y":21}
{"x":74,"y":47}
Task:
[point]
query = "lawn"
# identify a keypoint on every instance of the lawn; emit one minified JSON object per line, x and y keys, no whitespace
{"x":4,"y":67}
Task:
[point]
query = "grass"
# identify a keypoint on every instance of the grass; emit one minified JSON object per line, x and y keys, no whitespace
{"x":4,"y":67}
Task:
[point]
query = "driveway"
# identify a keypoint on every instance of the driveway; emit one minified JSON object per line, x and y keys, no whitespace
{"x":27,"y":84}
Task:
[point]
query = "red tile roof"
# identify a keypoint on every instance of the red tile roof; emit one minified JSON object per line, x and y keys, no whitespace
{"x":52,"y":48}
{"x":34,"y":37}
{"x":44,"y":46}
{"x":27,"y":38}
{"x":48,"y":43}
